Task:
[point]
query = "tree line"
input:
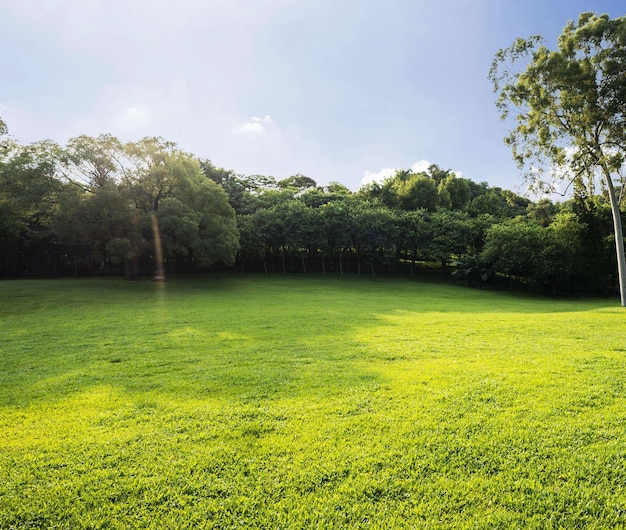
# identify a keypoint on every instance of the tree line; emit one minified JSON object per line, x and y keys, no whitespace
{"x":425,"y":222}
{"x":98,"y":205}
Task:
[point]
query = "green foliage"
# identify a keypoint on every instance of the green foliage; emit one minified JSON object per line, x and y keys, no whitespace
{"x":297,"y":182}
{"x":217,"y":238}
{"x":252,"y":244}
{"x":458,"y":192}
{"x":567,"y":100}
{"x":542,"y":212}
{"x":338,"y":188}
{"x":471,"y":270}
{"x":417,"y":191}
{"x":598,"y":246}
{"x":534,"y":252}
{"x":569,"y":109}
{"x":28,"y":192}
{"x":178,"y":224}
{"x":567,"y":233}
{"x":92,"y":202}
{"x":414,"y":234}
{"x":4,"y":130}
{"x":502,"y":204}
{"x":240,"y":190}
{"x":374,"y":233}
{"x":93,"y":162}
{"x":515,"y":248}
{"x":301,"y":402}
{"x":405,"y":190}
{"x":451,"y":235}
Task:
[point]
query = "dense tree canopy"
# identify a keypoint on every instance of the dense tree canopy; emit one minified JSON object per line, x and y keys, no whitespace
{"x":95,"y":203}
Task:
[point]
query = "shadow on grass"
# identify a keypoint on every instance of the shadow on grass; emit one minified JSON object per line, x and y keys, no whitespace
{"x":222,"y":335}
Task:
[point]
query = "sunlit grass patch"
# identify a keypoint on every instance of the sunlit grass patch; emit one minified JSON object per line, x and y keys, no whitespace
{"x":308,"y":402}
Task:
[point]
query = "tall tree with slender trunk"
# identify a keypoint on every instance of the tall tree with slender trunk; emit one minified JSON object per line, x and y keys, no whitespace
{"x":570,"y":109}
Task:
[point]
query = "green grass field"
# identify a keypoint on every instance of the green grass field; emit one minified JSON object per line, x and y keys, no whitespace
{"x":272,"y":402}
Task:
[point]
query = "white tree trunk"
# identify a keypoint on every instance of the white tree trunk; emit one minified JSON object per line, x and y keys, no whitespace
{"x":619,"y":238}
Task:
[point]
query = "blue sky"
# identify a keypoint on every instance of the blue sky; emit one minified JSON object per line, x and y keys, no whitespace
{"x":338,"y":90}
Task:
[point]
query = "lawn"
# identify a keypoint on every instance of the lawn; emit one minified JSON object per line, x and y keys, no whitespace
{"x":232,"y":401}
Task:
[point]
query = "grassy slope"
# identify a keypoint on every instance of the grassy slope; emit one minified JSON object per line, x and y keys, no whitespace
{"x":304,"y":402}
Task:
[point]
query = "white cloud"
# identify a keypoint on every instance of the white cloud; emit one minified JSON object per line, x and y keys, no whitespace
{"x":380,"y":176}
{"x":421,"y":166}
{"x":256,"y":125}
